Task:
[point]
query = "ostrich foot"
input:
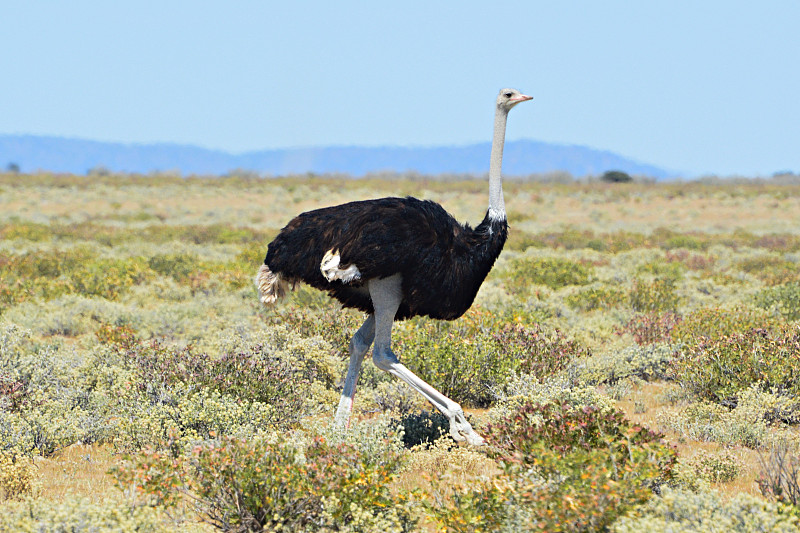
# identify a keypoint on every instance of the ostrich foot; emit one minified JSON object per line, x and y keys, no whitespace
{"x":462,"y":431}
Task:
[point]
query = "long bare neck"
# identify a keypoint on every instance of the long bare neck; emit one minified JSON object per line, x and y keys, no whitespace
{"x":497,"y":206}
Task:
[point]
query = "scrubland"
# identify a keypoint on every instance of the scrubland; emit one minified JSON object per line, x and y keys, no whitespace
{"x":633,"y":360}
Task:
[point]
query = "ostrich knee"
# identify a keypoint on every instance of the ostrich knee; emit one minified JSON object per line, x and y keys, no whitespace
{"x":384,"y":358}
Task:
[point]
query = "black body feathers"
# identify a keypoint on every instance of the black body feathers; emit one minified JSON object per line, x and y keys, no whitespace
{"x":442,"y":263}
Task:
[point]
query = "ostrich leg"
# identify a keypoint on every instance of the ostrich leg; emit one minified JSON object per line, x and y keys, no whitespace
{"x":386,"y":296}
{"x":359,"y":346}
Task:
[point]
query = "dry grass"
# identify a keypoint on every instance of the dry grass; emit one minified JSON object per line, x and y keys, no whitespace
{"x":647,"y":401}
{"x":757,"y":207}
{"x":81,"y":470}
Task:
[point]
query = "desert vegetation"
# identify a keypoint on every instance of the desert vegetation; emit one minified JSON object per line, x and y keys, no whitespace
{"x":632,"y":360}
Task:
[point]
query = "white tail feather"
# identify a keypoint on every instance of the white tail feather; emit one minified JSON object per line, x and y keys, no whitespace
{"x":271,"y":286}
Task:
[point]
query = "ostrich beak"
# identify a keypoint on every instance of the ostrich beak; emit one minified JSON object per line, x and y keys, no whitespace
{"x":522,"y":98}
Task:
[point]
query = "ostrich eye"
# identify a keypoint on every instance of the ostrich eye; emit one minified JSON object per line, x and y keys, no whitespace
{"x":508,"y":95}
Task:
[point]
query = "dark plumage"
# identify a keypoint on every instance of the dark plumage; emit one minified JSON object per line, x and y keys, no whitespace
{"x":394,"y":258}
{"x":442,"y":262}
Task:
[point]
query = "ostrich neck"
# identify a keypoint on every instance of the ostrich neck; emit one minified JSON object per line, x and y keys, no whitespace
{"x":497,"y":206}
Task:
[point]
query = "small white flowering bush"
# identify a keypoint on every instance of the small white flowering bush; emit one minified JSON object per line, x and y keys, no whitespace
{"x":79,"y":515}
{"x":682,"y":511}
{"x":526,"y":389}
{"x":648,"y":362}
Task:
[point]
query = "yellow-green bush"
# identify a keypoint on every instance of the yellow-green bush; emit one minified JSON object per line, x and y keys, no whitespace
{"x":564,"y":469}
{"x":18,"y":475}
{"x":79,"y":515}
{"x":662,"y":269}
{"x":783,"y":299}
{"x":770,"y":269}
{"x":257,"y":484}
{"x":715,"y":322}
{"x":683,"y":511}
{"x":658,"y":295}
{"x":470,"y":359}
{"x":134,"y":393}
{"x":716,"y":369}
{"x":596,"y":297}
{"x":553,"y":272}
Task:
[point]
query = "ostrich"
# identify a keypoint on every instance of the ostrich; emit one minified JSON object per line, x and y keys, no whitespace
{"x":394,"y":258}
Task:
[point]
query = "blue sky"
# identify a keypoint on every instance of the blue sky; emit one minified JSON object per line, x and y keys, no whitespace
{"x":701,"y":87}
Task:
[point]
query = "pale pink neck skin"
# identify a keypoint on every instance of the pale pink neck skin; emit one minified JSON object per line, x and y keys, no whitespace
{"x":497,"y":206}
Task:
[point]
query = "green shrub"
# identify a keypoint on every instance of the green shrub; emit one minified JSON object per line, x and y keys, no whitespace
{"x":773,"y":406}
{"x":562,"y":429}
{"x":784,"y":299}
{"x":178,"y":266}
{"x":109,"y":278}
{"x":521,"y":241}
{"x":133,"y":393}
{"x":771,"y":270}
{"x":717,"y":369}
{"x":255,"y":485}
{"x":423,"y":428}
{"x":312,"y":313}
{"x":13,"y":393}
{"x":616,"y":176}
{"x":658,"y":295}
{"x":683,"y":511}
{"x":55,"y":405}
{"x":468,"y":359}
{"x":459,"y":359}
{"x":28,"y":231}
{"x":552,"y":272}
{"x":74,"y":270}
{"x":596,"y":297}
{"x":201,"y":276}
{"x":478,"y":506}
{"x":259,"y":373}
{"x":756,"y":421}
{"x":188,"y":416}
{"x":564,"y":469}
{"x":661,"y":269}
{"x":539,"y":351}
{"x":715,"y":322}
{"x":683,"y":241}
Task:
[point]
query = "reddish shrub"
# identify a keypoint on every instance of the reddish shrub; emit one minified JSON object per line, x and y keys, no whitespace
{"x":649,"y":328}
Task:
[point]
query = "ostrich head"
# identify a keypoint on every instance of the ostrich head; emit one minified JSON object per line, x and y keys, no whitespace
{"x":508,"y":98}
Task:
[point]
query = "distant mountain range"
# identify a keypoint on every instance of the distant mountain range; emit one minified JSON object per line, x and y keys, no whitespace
{"x":30,"y":153}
